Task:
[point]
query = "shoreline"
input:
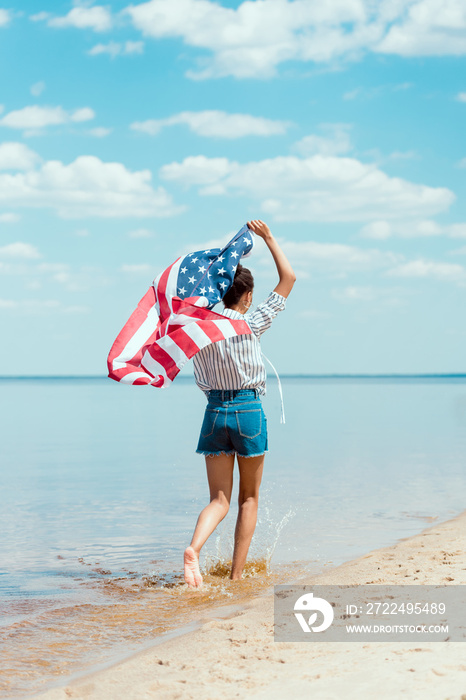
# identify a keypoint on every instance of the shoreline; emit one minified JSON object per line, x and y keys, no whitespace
{"x":236,"y":654}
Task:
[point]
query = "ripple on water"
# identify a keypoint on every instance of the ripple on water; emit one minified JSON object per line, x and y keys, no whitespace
{"x":49,"y":643}
{"x":116,"y":612}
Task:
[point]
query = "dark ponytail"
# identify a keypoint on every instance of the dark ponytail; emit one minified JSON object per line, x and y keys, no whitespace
{"x":242,"y":282}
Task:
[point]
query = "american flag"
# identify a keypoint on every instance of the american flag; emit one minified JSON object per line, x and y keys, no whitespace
{"x":174,"y":320}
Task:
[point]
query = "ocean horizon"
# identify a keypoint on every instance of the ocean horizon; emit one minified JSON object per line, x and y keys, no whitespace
{"x":388,"y":375}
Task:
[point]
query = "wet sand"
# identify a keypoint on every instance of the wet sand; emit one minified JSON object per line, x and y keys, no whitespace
{"x":237,"y":657}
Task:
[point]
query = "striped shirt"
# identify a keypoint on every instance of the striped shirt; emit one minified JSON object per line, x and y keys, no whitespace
{"x":236,"y":363}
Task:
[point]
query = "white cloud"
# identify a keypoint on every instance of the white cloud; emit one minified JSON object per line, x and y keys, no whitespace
{"x":381,"y":230}
{"x":318,"y":188}
{"x":352,"y":94}
{"x":336,"y":259}
{"x":429,"y":269}
{"x":8,"y":304}
{"x":97,"y":18}
{"x":458,"y":251}
{"x":23,"y":267}
{"x":353,"y":293}
{"x":402,"y":86}
{"x":209,"y":244}
{"x":452,"y":230}
{"x":133,"y":47}
{"x":17,"y":156}
{"x":403,"y":155}
{"x":82,"y":115}
{"x":51,"y":268}
{"x":378,"y":230}
{"x":254,"y":38}
{"x":40,"y":16}
{"x":36,"y":117}
{"x":38,"y":88}
{"x":100,"y":132}
{"x":143,"y":268}
{"x":461,"y":97}
{"x":34,"y":306}
{"x":215,"y":123}
{"x":369,"y":93}
{"x":430,"y":28}
{"x":331,"y":260}
{"x":335,"y":141}
{"x":74,"y":280}
{"x":23,"y":251}
{"x":313,"y":314}
{"x":198,"y":170}
{"x":79,"y":279}
{"x":367,"y":295}
{"x":87,"y":187}
{"x":9,"y":218}
{"x":141,"y":233}
{"x":114,"y":48}
{"x":5,"y":18}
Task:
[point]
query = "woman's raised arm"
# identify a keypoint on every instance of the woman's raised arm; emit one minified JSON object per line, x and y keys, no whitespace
{"x":286,"y":275}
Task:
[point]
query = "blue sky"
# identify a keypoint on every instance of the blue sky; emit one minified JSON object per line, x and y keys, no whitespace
{"x":130,"y":134}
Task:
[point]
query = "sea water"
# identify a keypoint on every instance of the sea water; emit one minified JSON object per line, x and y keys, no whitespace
{"x":101,"y":488}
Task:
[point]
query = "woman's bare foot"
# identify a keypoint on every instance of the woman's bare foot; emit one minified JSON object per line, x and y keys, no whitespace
{"x":192,"y":575}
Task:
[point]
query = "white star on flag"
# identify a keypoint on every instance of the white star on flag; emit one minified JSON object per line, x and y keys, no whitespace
{"x":234,"y":254}
{"x":221,"y":271}
{"x":183,"y":270}
{"x":192,"y":280}
{"x":182,"y":291}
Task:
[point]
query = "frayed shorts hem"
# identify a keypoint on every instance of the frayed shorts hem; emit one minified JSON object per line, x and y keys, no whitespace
{"x":227,"y":454}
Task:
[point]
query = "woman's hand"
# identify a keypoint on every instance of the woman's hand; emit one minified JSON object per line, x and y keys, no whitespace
{"x":260,"y":228}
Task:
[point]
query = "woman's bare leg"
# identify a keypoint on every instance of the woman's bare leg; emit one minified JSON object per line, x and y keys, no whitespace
{"x":250,"y":473}
{"x":220,"y":478}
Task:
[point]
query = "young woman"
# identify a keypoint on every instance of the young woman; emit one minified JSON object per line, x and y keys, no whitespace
{"x":232,"y":374}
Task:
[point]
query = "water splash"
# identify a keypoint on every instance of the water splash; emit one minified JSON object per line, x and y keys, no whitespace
{"x":263,"y":545}
{"x":289,"y":515}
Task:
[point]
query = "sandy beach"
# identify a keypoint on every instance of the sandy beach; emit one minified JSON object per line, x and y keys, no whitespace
{"x":236,"y":656}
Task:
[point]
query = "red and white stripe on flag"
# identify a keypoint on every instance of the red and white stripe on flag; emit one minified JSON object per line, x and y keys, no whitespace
{"x":164,"y":332}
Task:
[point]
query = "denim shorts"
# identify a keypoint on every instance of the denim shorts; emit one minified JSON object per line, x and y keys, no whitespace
{"x":234,"y":423}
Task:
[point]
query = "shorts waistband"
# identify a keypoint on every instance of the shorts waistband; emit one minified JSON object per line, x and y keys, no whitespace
{"x":230,"y":394}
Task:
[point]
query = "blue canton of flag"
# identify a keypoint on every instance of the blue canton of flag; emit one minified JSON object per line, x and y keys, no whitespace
{"x":210,"y":273}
